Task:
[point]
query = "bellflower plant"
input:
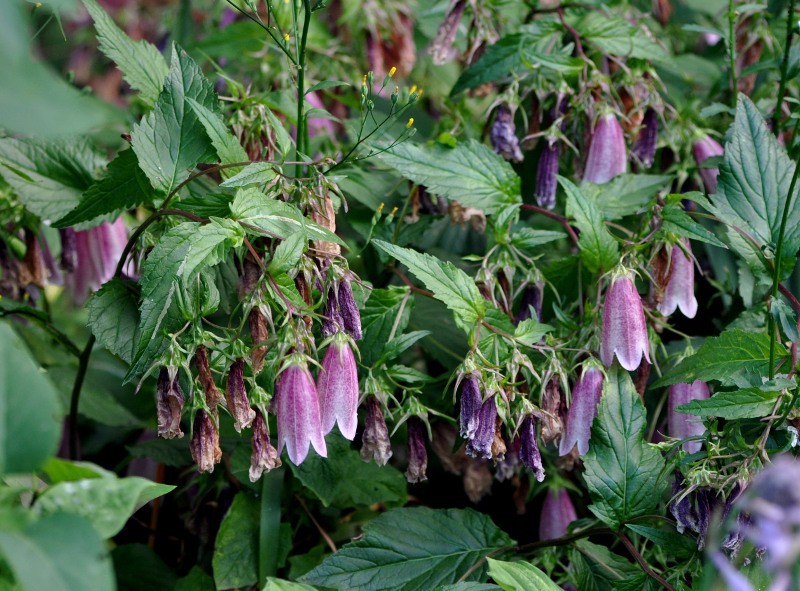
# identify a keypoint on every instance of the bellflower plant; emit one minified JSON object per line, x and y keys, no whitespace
{"x":585,"y":397}
{"x":337,"y":388}
{"x":298,"y":411}
{"x":624,"y":327}
{"x":679,"y":292}
{"x":682,"y":425}
{"x":607,"y":153}
{"x":557,"y":513}
{"x":704,"y":148}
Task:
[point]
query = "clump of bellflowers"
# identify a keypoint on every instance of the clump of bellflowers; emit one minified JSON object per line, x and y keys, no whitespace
{"x":624,"y":327}
{"x":297,"y":403}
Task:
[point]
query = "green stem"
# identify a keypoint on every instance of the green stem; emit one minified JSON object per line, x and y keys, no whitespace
{"x":732,"y":50}
{"x":300,"y":145}
{"x":776,"y":116}
{"x":83,"y":365}
{"x":270,"y":524}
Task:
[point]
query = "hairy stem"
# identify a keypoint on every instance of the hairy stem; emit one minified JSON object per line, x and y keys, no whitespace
{"x":776,"y":115}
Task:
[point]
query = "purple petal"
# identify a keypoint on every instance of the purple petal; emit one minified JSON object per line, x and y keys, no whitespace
{"x":624,"y":327}
{"x":679,"y":292}
{"x":585,"y":399}
{"x":337,"y":388}
{"x":607,"y":155}
{"x":480,"y":446}
{"x":529,"y":450}
{"x":557,"y":513}
{"x":684,"y":425}
{"x":703,"y":149}
{"x":470,"y":406}
{"x":298,"y":414}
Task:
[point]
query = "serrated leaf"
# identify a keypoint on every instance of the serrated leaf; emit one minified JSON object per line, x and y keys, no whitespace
{"x":624,"y":194}
{"x":470,"y":173}
{"x":274,"y":584}
{"x":675,"y":219}
{"x":528,"y":238}
{"x":599,"y":251}
{"x":753,"y":186}
{"x":49,"y":176}
{"x":142,"y":65}
{"x":464,"y":586}
{"x":530,"y":331}
{"x":114,"y":317}
{"x":412,"y":549}
{"x":345,"y":480}
{"x":749,"y":403}
{"x":732,"y":358}
{"x":615,"y":36}
{"x":377,"y":319}
{"x":287,"y":253}
{"x":228,"y":148}
{"x":399,"y":344}
{"x":668,"y":540}
{"x":604,"y":564}
{"x":622,"y":470}
{"x":170,"y":140}
{"x":449,"y":284}
{"x":235,"y":561}
{"x":520,"y":576}
{"x":122,"y":187}
{"x":254,"y":174}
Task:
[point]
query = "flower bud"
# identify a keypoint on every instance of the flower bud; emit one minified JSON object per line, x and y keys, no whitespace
{"x":557,"y":513}
{"x":264,"y":457}
{"x":331,"y":318}
{"x":470,"y":406}
{"x":417,"y":454}
{"x":585,"y":398}
{"x":607,"y":155}
{"x":236,"y":395}
{"x":685,"y":425}
{"x":705,"y":148}
{"x":375,"y":439}
{"x":441,"y":48}
{"x":298,"y":413}
{"x":644,"y":149}
{"x":679,"y":292}
{"x":503,"y":136}
{"x":531,"y":299}
{"x":259,"y":333}
{"x":205,"y":442}
{"x":546,"y":171}
{"x":624,"y":327}
{"x":337,"y":388}
{"x":529,"y":449}
{"x":169,"y":403}
{"x":351,"y":316}
{"x":554,"y":408}
{"x":480,"y":446}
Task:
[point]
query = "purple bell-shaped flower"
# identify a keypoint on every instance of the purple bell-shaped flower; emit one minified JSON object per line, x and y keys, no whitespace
{"x":97,"y":253}
{"x":679,"y":292}
{"x":684,"y":425}
{"x":298,"y":412}
{"x":607,"y":154}
{"x":624,"y":327}
{"x":471,"y":400}
{"x":337,"y":387}
{"x":585,"y":398}
{"x":557,"y":513}
{"x":528,"y":449}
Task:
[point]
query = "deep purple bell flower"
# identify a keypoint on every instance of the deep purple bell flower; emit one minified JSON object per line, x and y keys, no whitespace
{"x":624,"y":326}
{"x":417,"y":453}
{"x":337,"y":388}
{"x":607,"y":154}
{"x":705,"y":148}
{"x":351,"y":316}
{"x":546,"y":172}
{"x":470,"y":405}
{"x":298,"y":412}
{"x":529,"y":449}
{"x":480,"y":446}
{"x":585,"y":399}
{"x":557,"y":513}
{"x":503,"y":135}
{"x":684,"y":425}
{"x":644,"y":149}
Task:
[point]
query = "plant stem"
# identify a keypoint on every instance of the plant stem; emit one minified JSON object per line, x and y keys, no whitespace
{"x":732,"y":50}
{"x":642,"y":562}
{"x":300,"y":144}
{"x":776,"y":115}
{"x":83,"y":364}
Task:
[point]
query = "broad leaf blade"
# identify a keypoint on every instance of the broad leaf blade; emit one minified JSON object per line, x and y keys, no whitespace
{"x":624,"y":194}
{"x":228,"y":148}
{"x":114,"y":317}
{"x":254,"y":174}
{"x":599,"y":251}
{"x":520,"y":576}
{"x":235,"y":561}
{"x":377,"y":319}
{"x":749,"y":403}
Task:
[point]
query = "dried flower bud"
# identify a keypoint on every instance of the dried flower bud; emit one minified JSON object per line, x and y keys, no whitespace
{"x":337,"y":388}
{"x":69,"y":250}
{"x":298,"y":413}
{"x":607,"y":155}
{"x":585,"y":398}
{"x":205,"y":442}
{"x":498,"y":448}
{"x":441,"y":48}
{"x":554,"y":407}
{"x":679,"y":292}
{"x":351,"y":316}
{"x":477,"y":479}
{"x":624,"y":327}
{"x":644,"y":149}
{"x":683,"y":425}
{"x":331,"y":318}
{"x":169,"y":403}
{"x":557,"y":513}
{"x":375,"y":439}
{"x":213,"y":397}
{"x":703,"y":149}
{"x":248,"y":280}
{"x":531,"y":300}
{"x":507,"y":467}
{"x":480,"y":446}
{"x":529,"y":449}
{"x":470,"y":406}
{"x":259,"y":333}
{"x":326,"y":218}
{"x":662,"y":10}
{"x":9,"y":274}
{"x":417,"y":454}
{"x":236,"y":395}
{"x":264,"y":457}
{"x":693,"y":510}
{"x":32,"y":268}
{"x":503,"y":136}
{"x":546,"y":171}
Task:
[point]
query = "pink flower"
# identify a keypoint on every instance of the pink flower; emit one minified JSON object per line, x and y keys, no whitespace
{"x":585,"y":398}
{"x":298,"y":412}
{"x":703,"y":149}
{"x":607,"y":155}
{"x":557,"y":513}
{"x":679,"y":292}
{"x":337,"y":387}
{"x":98,"y":251}
{"x":624,"y":327}
{"x":684,"y":425}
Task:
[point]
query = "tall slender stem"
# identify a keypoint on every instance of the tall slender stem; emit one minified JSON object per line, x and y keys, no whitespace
{"x":83,"y":365}
{"x":300,"y":145}
{"x":776,"y":115}
{"x":732,"y":50}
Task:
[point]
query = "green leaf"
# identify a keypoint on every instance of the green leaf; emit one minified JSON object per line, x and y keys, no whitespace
{"x":345,"y":480}
{"x":377,"y":319}
{"x":399,"y":344}
{"x":470,"y":173}
{"x":114,"y":317}
{"x":142,"y":65}
{"x":49,"y":176}
{"x":735,"y":357}
{"x":122,"y":187}
{"x":254,"y":174}
{"x":235,"y":561}
{"x":753,"y":186}
{"x":530,"y":331}
{"x":520,"y":576}
{"x":228,"y":148}
{"x":170,"y":140}
{"x":107,"y":503}
{"x":412,"y":549}
{"x":625,"y":194}
{"x":615,"y":36}
{"x":177,"y":256}
{"x":622,"y":470}
{"x":749,"y":403}
{"x":137,"y":567}
{"x":274,"y":584}
{"x":599,"y":251}
{"x":276,"y":218}
{"x":29,"y":428}
{"x":196,"y":580}
{"x":59,"y":552}
{"x":171,"y":452}
{"x":604,"y":564}
{"x":59,"y":470}
{"x":287,"y":254}
{"x":464,"y":586}
{"x":667,"y":539}
{"x":528,"y":238}
{"x":449,"y":284}
{"x":675,"y":219}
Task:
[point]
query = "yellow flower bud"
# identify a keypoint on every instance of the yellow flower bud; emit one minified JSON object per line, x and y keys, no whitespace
{"x":392,"y":71}
{"x":410,"y":123}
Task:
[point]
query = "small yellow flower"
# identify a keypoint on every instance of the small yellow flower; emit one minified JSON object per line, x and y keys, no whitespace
{"x":380,"y":207}
{"x":413,"y":89}
{"x":392,"y":71}
{"x":410,"y":123}
{"x":394,"y":211}
{"x":286,"y":37}
{"x":364,"y":80}
{"x":396,"y":89}
{"x":419,"y":94}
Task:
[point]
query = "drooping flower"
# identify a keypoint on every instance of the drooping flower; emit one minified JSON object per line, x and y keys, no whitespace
{"x":607,"y":155}
{"x":331,"y":318}
{"x":546,"y":172}
{"x":264,"y":457}
{"x":531,"y":298}
{"x":69,"y":250}
{"x":470,"y":406}
{"x":298,"y":412}
{"x":417,"y":453}
{"x":480,"y":446}
{"x":441,"y":48}
{"x":205,"y":442}
{"x":337,"y":388}
{"x":212,"y":395}
{"x":169,"y":403}
{"x":503,"y":135}
{"x":236,"y":395}
{"x":258,"y":334}
{"x":624,"y":327}
{"x":554,"y":407}
{"x":703,"y":149}
{"x":585,"y":399}
{"x":683,"y":425}
{"x":557,"y":513}
{"x":692,"y":510}
{"x":679,"y":292}
{"x":351,"y":316}
{"x":644,"y":149}
{"x":529,"y":449}
{"x":375,"y":439}
{"x":98,"y":252}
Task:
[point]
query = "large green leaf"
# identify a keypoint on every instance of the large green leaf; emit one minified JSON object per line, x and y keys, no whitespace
{"x":448,"y":283}
{"x":750,"y":403}
{"x":470,"y":173}
{"x":274,"y":584}
{"x":170,"y":140}
{"x":114,"y":317}
{"x":624,"y":194}
{"x":412,"y":549}
{"x":29,"y":425}
{"x":675,"y":219}
{"x":378,"y":317}
{"x":142,"y":65}
{"x":520,"y":576}
{"x":615,"y":36}
{"x":228,"y":148}
{"x":59,"y":552}
{"x":622,"y":470}
{"x":345,"y":480}
{"x":735,"y":357}
{"x":235,"y":561}
{"x":49,"y":175}
{"x":753,"y":186}
{"x":605,"y":565}
{"x":599,"y":251}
